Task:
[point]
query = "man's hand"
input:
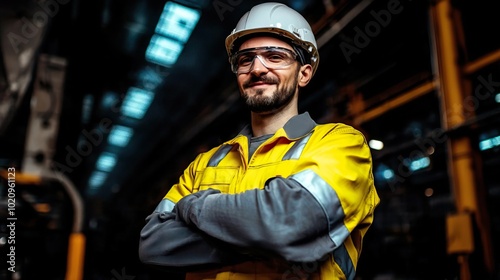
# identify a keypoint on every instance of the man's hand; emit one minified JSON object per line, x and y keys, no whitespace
{"x":191,"y":204}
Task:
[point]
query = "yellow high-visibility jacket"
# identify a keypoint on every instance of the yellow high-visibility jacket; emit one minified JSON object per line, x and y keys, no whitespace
{"x":298,"y":208}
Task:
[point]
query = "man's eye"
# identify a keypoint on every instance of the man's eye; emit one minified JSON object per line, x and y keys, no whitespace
{"x":275,"y":57}
{"x":245,"y":60}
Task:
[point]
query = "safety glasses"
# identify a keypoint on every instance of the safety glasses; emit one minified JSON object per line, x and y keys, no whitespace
{"x":271,"y":57}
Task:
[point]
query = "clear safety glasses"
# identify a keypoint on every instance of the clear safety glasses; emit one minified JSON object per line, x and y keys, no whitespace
{"x":271,"y":57}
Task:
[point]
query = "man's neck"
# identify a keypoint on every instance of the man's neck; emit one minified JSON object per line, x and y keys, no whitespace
{"x":269,"y":123}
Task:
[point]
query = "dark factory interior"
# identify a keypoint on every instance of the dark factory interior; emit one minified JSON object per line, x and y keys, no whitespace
{"x":104,"y":103}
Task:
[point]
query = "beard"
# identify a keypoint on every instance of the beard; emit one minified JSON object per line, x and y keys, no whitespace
{"x":260,"y":103}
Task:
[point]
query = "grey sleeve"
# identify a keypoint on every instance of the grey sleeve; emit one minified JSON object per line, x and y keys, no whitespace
{"x":284,"y":218}
{"x":168,"y":242}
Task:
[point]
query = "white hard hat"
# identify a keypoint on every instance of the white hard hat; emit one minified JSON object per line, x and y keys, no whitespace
{"x":278,"y":19}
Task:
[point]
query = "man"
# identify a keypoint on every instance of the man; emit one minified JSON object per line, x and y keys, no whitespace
{"x":286,"y":198}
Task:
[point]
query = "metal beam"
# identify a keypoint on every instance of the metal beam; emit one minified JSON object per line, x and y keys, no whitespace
{"x":395,"y":102}
{"x":460,"y":153}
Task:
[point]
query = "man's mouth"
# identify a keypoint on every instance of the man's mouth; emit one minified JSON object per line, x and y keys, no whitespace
{"x":261,"y":82}
{"x":257,"y":84}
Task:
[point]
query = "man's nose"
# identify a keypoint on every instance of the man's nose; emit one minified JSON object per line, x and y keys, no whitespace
{"x":258,"y":66}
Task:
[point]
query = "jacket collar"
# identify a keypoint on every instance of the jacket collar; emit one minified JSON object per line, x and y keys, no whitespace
{"x":295,"y":127}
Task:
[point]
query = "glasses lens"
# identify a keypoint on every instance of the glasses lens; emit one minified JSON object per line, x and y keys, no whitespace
{"x":271,"y":57}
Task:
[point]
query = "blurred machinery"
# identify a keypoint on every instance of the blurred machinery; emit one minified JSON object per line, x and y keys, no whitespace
{"x":39,"y":193}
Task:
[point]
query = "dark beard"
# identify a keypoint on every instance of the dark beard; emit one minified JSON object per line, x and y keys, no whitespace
{"x":280,"y":98}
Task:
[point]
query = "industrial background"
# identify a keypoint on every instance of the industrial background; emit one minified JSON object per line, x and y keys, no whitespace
{"x":103,"y":104}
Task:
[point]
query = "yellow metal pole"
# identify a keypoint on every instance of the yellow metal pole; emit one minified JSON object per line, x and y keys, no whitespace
{"x":76,"y":256}
{"x":460,"y":154}
{"x":23,"y":178}
{"x":76,"y":243}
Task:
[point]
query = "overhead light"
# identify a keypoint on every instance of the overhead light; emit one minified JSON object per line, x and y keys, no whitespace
{"x":136,"y":102}
{"x":163,"y":51}
{"x":388,"y":174}
{"x":420,"y":163}
{"x":120,"y":135}
{"x":376,"y":144}
{"x":497,"y":98}
{"x":173,"y":30}
{"x":87,"y":105}
{"x":177,"y":22}
{"x":106,"y":162}
{"x":489,"y":143}
{"x":109,"y":100}
{"x":96,"y":179}
{"x":384,"y":173}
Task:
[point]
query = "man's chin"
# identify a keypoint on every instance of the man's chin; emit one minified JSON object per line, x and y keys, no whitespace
{"x":262,"y":111}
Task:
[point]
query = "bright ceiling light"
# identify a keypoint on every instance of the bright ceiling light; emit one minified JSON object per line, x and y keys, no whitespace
{"x":388,"y":174}
{"x":420,"y":163}
{"x":120,"y":135}
{"x":106,"y":162}
{"x":177,"y":22}
{"x":173,"y":30}
{"x":376,"y":144}
{"x":136,"y":103}
{"x":163,"y":51}
{"x":489,"y":143}
{"x":383,"y":173}
{"x":96,"y":179}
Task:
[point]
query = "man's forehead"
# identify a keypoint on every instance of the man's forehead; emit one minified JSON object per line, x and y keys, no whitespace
{"x":264,"y":41}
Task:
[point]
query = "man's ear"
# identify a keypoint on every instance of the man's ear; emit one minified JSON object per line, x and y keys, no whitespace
{"x":305,"y":74}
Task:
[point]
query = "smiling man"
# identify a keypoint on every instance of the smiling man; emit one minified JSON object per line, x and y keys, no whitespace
{"x":287,"y":198}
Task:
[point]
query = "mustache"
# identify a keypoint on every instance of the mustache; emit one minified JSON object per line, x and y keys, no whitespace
{"x":264,"y":79}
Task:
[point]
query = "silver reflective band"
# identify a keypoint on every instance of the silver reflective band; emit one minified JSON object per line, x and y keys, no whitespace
{"x":271,"y":57}
{"x":165,"y":205}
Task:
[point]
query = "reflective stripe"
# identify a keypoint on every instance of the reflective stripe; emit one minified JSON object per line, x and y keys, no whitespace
{"x":293,"y":153}
{"x":297,"y":148}
{"x":342,"y":258}
{"x":219,"y":155}
{"x":329,"y":201}
{"x":165,"y":205}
